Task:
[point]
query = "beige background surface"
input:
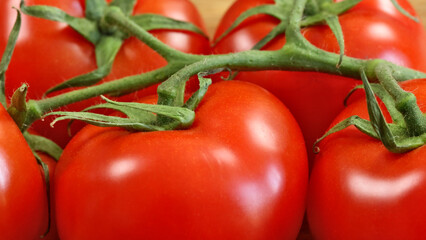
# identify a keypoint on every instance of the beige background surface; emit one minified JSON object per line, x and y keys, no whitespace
{"x":212,"y":11}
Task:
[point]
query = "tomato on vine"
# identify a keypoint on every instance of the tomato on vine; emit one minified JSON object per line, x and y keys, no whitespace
{"x":239,"y":172}
{"x":360,"y":190}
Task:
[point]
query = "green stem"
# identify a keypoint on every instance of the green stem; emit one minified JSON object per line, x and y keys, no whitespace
{"x":405,"y":102}
{"x":291,"y":57}
{"x":277,"y":30}
{"x":37,"y":108}
{"x":292,"y":33}
{"x":116,"y":17}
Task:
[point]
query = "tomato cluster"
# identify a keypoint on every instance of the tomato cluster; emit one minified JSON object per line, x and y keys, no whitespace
{"x":244,"y":169}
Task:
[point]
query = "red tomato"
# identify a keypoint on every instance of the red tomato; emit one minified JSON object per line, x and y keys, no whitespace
{"x":23,"y":204}
{"x":47,"y":52}
{"x":372,"y":29}
{"x":240,"y":172}
{"x":360,"y":190}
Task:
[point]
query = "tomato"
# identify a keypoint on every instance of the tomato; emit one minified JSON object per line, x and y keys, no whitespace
{"x":372,"y":29}
{"x":47,"y":52}
{"x":23,"y":200}
{"x":240,"y":172}
{"x":360,"y":190}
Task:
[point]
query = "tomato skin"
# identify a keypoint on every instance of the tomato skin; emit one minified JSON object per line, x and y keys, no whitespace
{"x":240,"y":172}
{"x":372,"y":29}
{"x":51,"y":52}
{"x":360,"y":190}
{"x":23,"y":204}
{"x":51,"y":164}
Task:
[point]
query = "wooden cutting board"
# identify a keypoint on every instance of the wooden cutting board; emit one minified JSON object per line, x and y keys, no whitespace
{"x":213,"y":10}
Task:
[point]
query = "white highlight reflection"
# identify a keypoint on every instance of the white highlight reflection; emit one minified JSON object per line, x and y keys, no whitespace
{"x":366,"y":186}
{"x":381,"y":31}
{"x":4,"y":179}
{"x":263,"y":135}
{"x":274,"y":179}
{"x":224,"y":156}
{"x":4,"y":174}
{"x":387,"y":6}
{"x":245,"y":42}
{"x":122,"y":168}
{"x":255,"y":196}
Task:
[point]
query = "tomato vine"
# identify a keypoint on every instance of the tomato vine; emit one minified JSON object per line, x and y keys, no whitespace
{"x":297,"y":54}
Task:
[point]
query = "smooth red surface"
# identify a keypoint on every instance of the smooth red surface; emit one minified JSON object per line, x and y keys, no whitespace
{"x":240,"y":172}
{"x":51,"y":164}
{"x":372,"y":29}
{"x":48,"y":53}
{"x":23,"y":200}
{"x":360,"y":190}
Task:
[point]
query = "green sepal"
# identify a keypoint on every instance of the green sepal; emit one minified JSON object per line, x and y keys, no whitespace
{"x":204,"y":84}
{"x":106,"y":51}
{"x":338,"y":8}
{"x":105,"y":121}
{"x":362,"y":124}
{"x":88,"y":29}
{"x":193,"y":101}
{"x":126,"y":6}
{"x":394,"y":136}
{"x":312,"y":7}
{"x":393,"y":143}
{"x":386,"y":98}
{"x":329,"y":9}
{"x":140,"y":116}
{"x":377,"y":118}
{"x":7,"y":56}
{"x":403,"y":11}
{"x":329,"y":13}
{"x":42,"y":144}
{"x":171,"y":93}
{"x":95,"y":9}
{"x":150,"y":21}
{"x":268,"y":9}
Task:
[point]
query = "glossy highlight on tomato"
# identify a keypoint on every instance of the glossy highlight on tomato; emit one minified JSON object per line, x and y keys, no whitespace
{"x":48,"y":53}
{"x":360,"y":190}
{"x":240,"y":172}
{"x":372,"y":29}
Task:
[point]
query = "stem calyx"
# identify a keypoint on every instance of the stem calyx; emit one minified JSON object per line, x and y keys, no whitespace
{"x":408,"y":128}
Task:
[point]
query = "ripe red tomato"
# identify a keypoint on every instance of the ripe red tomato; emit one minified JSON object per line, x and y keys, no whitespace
{"x":360,"y":190}
{"x":23,"y":204}
{"x":47,"y":52}
{"x":240,"y":172}
{"x":372,"y":29}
